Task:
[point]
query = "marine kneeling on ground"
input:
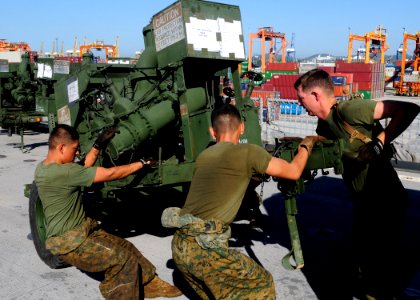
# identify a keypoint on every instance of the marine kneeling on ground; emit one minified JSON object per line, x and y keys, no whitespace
{"x":221,"y":176}
{"x":76,"y":238}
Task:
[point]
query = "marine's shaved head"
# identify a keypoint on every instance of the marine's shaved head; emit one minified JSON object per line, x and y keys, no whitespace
{"x":225,"y":118}
{"x":62,"y":134}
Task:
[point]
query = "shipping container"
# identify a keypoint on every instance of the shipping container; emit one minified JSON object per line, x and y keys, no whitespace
{"x":327,"y":69}
{"x":345,"y":67}
{"x":342,"y":90}
{"x":366,"y":94}
{"x":339,"y":80}
{"x":287,"y":66}
{"x":291,"y":108}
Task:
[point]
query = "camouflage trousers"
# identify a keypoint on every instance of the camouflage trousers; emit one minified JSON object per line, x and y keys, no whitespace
{"x":220,"y":273}
{"x":118,"y":258}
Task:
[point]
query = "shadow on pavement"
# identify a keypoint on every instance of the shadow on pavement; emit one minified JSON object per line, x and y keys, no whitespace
{"x":325,"y":228}
{"x":26,"y":147}
{"x":132,"y":214}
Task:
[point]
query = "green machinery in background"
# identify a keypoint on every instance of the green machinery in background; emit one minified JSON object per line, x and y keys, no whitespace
{"x":27,"y":91}
{"x":18,"y":90}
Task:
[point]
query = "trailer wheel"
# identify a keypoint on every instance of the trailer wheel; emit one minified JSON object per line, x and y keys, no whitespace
{"x":38,"y":231}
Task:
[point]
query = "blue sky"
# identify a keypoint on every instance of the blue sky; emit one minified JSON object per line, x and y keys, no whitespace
{"x":318,"y":26}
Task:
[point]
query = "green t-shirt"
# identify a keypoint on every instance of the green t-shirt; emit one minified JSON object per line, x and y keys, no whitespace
{"x":359,"y":114}
{"x":221,"y":176}
{"x":60,"y":190}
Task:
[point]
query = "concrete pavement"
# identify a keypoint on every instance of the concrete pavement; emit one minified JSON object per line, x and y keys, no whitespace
{"x":324,"y":220}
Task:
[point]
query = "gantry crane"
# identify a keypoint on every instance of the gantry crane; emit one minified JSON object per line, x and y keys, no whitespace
{"x":375,"y":42}
{"x":53,"y":52}
{"x":410,"y":87}
{"x":41,"y":50}
{"x":6,"y":46}
{"x":267,"y":34}
{"x":110,"y":50}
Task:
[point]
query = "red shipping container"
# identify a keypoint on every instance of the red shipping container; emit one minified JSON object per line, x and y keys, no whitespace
{"x":364,"y":76}
{"x":366,"y":86}
{"x":288,"y":66}
{"x":267,"y":87}
{"x":345,"y":67}
{"x":287,"y":92}
{"x":286,"y":79}
{"x":355,"y":87}
{"x":327,"y":69}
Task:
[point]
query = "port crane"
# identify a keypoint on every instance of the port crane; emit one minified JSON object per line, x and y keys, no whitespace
{"x":375,"y":42}
{"x":267,"y":34}
{"x":6,"y":46}
{"x":110,"y":50}
{"x":410,"y":85}
{"x":75,"y":51}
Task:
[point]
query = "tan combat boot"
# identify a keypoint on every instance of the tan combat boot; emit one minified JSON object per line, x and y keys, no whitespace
{"x":159,"y":288}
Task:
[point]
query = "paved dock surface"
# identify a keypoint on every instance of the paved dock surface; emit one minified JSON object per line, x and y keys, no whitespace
{"x":324,"y":220}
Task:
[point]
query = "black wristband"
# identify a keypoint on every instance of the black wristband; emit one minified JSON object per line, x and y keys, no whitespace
{"x":378,"y":146}
{"x":304,"y":146}
{"x":96,"y":146}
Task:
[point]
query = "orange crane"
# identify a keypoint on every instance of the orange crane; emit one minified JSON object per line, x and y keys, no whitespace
{"x":17,"y":46}
{"x":110,"y":50}
{"x":410,"y":86}
{"x":375,"y":42}
{"x":267,"y":34}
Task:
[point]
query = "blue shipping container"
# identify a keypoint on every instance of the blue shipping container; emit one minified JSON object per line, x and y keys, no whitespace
{"x":339,"y":80}
{"x":291,"y":109}
{"x":264,"y":114}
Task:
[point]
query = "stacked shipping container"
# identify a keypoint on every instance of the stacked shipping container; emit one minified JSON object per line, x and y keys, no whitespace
{"x":71,"y":59}
{"x":284,"y":85}
{"x":343,"y":85}
{"x":279,"y":80}
{"x":368,"y":79}
{"x":349,"y":79}
{"x":272,"y":69}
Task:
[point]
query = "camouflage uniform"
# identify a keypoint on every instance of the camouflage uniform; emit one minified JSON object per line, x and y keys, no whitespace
{"x":200,"y":251}
{"x":94,"y":250}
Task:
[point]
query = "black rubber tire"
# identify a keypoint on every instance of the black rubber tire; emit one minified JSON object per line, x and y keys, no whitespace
{"x":38,"y":231}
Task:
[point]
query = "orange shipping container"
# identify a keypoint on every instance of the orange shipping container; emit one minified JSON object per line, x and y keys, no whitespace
{"x":342,"y":90}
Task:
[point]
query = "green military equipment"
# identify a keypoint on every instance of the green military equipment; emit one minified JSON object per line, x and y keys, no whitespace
{"x":161,"y":105}
{"x":325,"y":154}
{"x":27,"y":91}
{"x":17,"y":95}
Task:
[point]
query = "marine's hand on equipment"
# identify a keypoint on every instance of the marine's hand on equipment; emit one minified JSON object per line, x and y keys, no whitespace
{"x":104,"y":136}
